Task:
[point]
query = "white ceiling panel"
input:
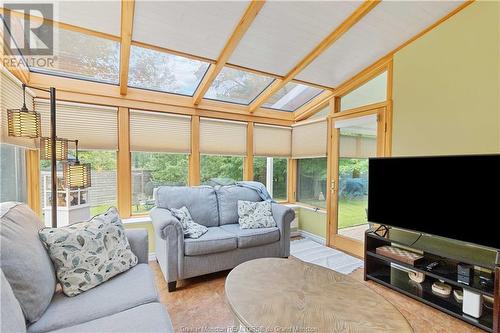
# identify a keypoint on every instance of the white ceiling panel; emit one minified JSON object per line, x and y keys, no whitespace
{"x":386,"y":27}
{"x":285,"y":32}
{"x":196,"y":27}
{"x":102,"y":16}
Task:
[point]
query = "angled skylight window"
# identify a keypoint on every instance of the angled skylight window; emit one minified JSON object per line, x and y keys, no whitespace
{"x":291,"y":97}
{"x":237,"y":86}
{"x":154,"y":70}
{"x":74,"y":54}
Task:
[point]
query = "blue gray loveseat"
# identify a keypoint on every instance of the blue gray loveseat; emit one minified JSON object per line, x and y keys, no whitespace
{"x":225,"y":245}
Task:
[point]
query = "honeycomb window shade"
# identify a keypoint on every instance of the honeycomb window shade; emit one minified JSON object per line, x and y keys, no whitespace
{"x":94,"y":126}
{"x":159,"y":132}
{"x":223,"y":137}
{"x":12,"y":98}
{"x":309,"y":139}
{"x":272,"y":141}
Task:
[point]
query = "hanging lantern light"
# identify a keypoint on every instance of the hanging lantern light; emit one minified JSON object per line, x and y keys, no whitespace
{"x":23,"y":122}
{"x":61,"y":149}
{"x":76,"y":175}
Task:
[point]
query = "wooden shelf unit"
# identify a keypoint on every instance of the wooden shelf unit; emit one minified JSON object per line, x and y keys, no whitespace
{"x":394,"y":274}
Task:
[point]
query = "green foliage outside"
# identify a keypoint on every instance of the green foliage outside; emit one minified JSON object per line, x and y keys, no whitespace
{"x":166,"y":169}
{"x":280,"y":168}
{"x":213,"y":166}
{"x":311,"y":182}
{"x":353,"y":167}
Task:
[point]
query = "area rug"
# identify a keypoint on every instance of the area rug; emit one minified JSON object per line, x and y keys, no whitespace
{"x":307,"y":250}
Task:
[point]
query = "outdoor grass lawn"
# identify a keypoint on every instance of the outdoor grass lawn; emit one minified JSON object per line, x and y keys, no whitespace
{"x":352,"y":212}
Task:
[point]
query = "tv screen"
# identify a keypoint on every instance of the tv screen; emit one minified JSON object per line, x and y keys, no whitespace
{"x":455,"y":197}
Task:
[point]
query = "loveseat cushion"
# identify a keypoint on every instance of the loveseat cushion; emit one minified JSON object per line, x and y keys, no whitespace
{"x":124,"y":291}
{"x":148,"y":318}
{"x":214,"y":240}
{"x":10,"y":310}
{"x":24,"y":261}
{"x":253,"y":237}
{"x":228,"y":197}
{"x":199,"y":200}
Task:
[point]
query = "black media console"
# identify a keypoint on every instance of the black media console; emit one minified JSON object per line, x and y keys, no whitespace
{"x":394,"y":274}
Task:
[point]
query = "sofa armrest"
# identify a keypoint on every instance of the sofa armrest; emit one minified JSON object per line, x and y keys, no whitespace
{"x":138,"y":240}
{"x":283,"y":216}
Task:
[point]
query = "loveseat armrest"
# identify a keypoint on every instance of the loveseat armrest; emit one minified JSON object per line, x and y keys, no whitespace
{"x":283,"y":216}
{"x":138,"y":240}
{"x":169,"y":239}
{"x":165,"y":223}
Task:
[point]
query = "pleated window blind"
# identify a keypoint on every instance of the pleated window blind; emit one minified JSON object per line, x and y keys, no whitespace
{"x":94,"y":126}
{"x":272,"y":141}
{"x":309,"y":139}
{"x":357,"y":146}
{"x":222,"y":137}
{"x":12,"y":98}
{"x":159,"y":132}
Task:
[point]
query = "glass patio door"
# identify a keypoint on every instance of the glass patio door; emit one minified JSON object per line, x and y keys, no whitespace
{"x":356,"y":138}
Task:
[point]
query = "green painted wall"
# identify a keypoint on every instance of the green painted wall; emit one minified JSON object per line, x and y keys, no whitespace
{"x":313,"y":222}
{"x":447,"y":87}
{"x":149,"y":227}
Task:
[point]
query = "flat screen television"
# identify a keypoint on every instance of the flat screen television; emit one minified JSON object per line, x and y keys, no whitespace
{"x":455,"y":197}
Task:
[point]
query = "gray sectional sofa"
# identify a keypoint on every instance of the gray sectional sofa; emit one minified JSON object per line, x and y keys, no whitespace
{"x":30,"y":301}
{"x":225,"y":245}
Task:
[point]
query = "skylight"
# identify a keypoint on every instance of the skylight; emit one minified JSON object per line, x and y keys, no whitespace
{"x":153,"y":70}
{"x":291,"y":97}
{"x":75,"y":54}
{"x":237,"y":86}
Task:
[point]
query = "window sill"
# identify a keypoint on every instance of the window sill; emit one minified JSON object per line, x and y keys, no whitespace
{"x":308,"y":207}
{"x":137,"y":219}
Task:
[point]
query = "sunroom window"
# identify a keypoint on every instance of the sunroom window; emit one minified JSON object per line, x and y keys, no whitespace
{"x":291,"y":97}
{"x":75,"y":54}
{"x":373,"y":91}
{"x":237,"y":86}
{"x":157,"y":159}
{"x":272,"y":172}
{"x":153,"y":70}
{"x":151,"y":170}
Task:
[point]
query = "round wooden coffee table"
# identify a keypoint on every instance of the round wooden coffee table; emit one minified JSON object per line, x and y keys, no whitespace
{"x":288,"y":295}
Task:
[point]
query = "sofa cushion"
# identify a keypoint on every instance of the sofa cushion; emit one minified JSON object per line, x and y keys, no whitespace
{"x":200,"y":201}
{"x":24,"y":261}
{"x":148,"y":318}
{"x":127,"y":290}
{"x":228,"y":197}
{"x":253,"y":237}
{"x":215,"y":240}
{"x":10,"y":311}
{"x":89,"y":253}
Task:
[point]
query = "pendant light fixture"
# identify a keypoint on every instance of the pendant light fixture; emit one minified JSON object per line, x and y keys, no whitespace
{"x":23,"y":122}
{"x":76,"y":175}
{"x":61,"y":149}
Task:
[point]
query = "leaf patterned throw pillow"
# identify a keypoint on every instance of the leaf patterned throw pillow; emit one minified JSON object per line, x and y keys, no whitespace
{"x":88,"y":253}
{"x":253,"y":215}
{"x":191,"y":228}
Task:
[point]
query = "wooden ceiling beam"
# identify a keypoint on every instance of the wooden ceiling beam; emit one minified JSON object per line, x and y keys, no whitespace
{"x":357,"y":15}
{"x":127,"y":23}
{"x":106,"y":94}
{"x":231,"y":44}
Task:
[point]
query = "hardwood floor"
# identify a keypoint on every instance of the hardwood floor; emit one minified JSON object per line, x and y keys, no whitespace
{"x":199,"y":305}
